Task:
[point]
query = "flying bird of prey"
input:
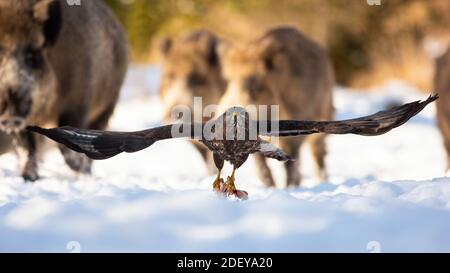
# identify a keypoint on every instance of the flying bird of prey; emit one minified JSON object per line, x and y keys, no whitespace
{"x":231,"y":137}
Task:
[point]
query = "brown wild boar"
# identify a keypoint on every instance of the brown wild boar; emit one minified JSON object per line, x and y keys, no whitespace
{"x":285,"y":68}
{"x":191,"y":69}
{"x":59,"y":65}
{"x":442,"y":86}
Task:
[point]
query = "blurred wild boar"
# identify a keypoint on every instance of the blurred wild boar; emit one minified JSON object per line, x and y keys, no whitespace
{"x":442,"y":86}
{"x":59,"y":65}
{"x":192,"y":68}
{"x":285,"y":68}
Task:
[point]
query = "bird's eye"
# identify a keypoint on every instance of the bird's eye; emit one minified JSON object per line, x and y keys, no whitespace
{"x":33,"y":58}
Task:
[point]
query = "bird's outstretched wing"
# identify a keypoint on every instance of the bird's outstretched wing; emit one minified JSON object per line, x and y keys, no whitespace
{"x":103,"y":144}
{"x":372,"y":125}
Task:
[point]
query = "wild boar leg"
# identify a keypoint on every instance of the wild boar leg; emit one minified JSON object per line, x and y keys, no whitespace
{"x":444,"y":125}
{"x":318,"y":149}
{"x":263,"y":170}
{"x":5,"y":143}
{"x":76,"y":161}
{"x":30,"y":171}
{"x":292,"y":148}
{"x":447,"y":148}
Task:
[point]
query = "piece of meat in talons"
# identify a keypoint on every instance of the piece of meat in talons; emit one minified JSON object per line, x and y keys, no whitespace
{"x":223,"y":191}
{"x":230,"y":189}
{"x":241,"y":194}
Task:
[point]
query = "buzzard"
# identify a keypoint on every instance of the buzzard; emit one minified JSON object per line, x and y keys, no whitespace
{"x":231,"y":137}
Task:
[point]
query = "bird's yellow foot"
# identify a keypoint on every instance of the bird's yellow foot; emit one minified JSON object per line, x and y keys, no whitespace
{"x":218,"y":185}
{"x":230,"y":189}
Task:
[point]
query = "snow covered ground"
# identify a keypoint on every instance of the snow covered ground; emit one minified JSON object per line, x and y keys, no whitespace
{"x":385,"y":193}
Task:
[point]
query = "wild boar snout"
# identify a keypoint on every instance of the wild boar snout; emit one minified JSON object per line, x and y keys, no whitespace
{"x":253,"y":85}
{"x":16,"y":84}
{"x":14,"y":109}
{"x":12,"y":125}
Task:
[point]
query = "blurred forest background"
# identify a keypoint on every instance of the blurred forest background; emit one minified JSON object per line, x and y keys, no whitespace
{"x":367,"y":43}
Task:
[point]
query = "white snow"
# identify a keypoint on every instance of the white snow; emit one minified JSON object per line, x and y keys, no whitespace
{"x":385,"y":193}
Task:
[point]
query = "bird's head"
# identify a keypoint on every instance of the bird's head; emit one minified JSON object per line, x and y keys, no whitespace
{"x":234,"y":124}
{"x":236,"y":115}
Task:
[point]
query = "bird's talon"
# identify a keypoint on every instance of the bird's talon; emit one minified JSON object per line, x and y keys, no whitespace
{"x":227,"y":189}
{"x":230,"y":188}
{"x":218,"y":185}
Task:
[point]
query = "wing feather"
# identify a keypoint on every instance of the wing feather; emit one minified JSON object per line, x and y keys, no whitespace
{"x":103,"y":144}
{"x":372,"y":125}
